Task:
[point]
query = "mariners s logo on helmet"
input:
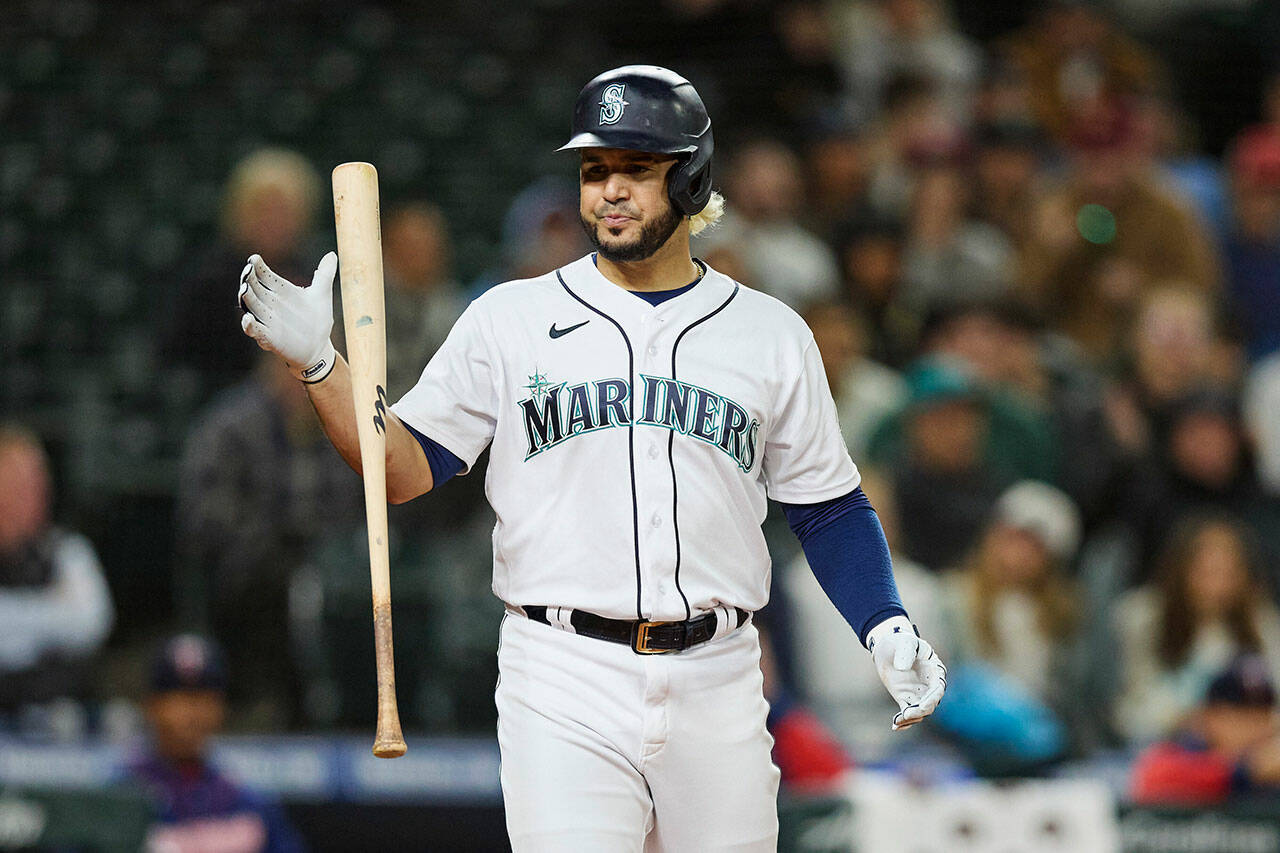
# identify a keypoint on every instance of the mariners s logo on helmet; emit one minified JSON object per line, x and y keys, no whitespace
{"x":611,"y":103}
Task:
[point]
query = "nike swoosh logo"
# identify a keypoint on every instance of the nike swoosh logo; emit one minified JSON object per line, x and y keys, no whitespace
{"x":555,"y":333}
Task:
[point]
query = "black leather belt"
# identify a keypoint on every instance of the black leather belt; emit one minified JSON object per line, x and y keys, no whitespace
{"x":644,"y":638}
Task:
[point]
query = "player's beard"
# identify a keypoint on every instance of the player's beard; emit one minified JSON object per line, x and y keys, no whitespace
{"x":653,"y":236}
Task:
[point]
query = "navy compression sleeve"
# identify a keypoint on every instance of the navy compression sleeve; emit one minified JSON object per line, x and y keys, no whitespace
{"x":845,"y":545}
{"x":443,"y":463}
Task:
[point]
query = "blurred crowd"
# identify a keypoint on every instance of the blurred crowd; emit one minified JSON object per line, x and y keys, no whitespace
{"x":1050,"y":318}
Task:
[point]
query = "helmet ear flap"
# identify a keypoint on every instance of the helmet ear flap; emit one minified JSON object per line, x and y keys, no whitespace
{"x":690,"y":184}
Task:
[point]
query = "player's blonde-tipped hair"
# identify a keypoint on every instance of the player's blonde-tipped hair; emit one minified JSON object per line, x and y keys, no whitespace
{"x":709,"y":216}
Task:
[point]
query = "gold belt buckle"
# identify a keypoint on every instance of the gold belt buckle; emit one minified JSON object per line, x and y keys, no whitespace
{"x":640,"y":639}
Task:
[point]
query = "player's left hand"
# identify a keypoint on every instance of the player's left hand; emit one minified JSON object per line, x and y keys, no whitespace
{"x":910,"y":669}
{"x":293,"y":322}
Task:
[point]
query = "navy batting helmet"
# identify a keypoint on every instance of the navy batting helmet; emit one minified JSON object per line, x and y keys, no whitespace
{"x":647,"y":108}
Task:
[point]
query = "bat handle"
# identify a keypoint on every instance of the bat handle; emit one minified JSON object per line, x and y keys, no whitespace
{"x":389,"y":740}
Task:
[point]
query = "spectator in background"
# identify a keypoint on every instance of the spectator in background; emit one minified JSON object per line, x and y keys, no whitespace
{"x":1004,"y":94}
{"x":879,"y":39}
{"x":422,"y":299}
{"x":766,"y":191}
{"x":948,"y":255}
{"x":1229,"y":746}
{"x":1164,"y":135}
{"x":1006,"y":176}
{"x":1073,"y":54}
{"x":540,"y":232}
{"x":914,"y":131}
{"x":1253,"y":243}
{"x":1169,"y":353}
{"x":997,"y":339}
{"x":55,"y":608}
{"x":984,"y":339}
{"x":1041,"y":385}
{"x":1010,"y":607}
{"x":1108,"y":235}
{"x":1202,"y":464}
{"x":865,"y":391}
{"x":809,"y":84}
{"x":197,"y":806}
{"x":1207,"y":606}
{"x":837,"y":162}
{"x":934,"y":456}
{"x":259,"y":485}
{"x":869,"y":251}
{"x":268,"y":207}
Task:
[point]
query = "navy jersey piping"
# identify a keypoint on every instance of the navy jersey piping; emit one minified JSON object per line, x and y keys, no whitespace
{"x":671,"y":439}
{"x":631,"y":432}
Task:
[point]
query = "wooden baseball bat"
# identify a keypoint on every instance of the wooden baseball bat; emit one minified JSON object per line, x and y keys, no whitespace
{"x":355,"y":212}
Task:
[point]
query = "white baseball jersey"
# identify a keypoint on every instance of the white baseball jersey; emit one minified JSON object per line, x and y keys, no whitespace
{"x":633,"y":445}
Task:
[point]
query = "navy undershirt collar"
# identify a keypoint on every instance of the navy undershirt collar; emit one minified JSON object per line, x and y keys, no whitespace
{"x":657,"y":297}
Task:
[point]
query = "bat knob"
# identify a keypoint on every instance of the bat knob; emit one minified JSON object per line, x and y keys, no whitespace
{"x":389,"y":748}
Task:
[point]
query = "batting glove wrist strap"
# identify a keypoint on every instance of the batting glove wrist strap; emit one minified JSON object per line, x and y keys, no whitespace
{"x":318,"y":370}
{"x":894,"y":625}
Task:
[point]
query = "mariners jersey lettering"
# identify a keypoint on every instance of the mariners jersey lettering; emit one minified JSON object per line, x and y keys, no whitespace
{"x":554,"y":414}
{"x":633,"y":446}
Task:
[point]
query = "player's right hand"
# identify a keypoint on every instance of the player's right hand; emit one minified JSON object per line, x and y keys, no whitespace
{"x":909,"y":668}
{"x":293,"y":322}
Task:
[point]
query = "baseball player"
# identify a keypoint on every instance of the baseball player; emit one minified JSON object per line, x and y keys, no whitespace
{"x":640,"y":408}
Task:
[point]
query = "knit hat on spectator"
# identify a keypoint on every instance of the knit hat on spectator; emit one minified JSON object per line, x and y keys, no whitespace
{"x":937,"y":380}
{"x":189,"y":662}
{"x":1245,"y":683}
{"x":1045,"y":512}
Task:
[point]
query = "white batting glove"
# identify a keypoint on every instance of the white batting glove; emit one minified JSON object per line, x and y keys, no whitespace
{"x":909,"y":668}
{"x":293,"y":322}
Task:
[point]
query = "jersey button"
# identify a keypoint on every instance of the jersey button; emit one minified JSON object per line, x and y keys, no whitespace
{"x":653,"y":350}
{"x":656,"y":521}
{"x":653,"y":451}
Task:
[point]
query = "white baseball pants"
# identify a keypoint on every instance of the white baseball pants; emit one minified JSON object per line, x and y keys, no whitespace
{"x":607,"y":750}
